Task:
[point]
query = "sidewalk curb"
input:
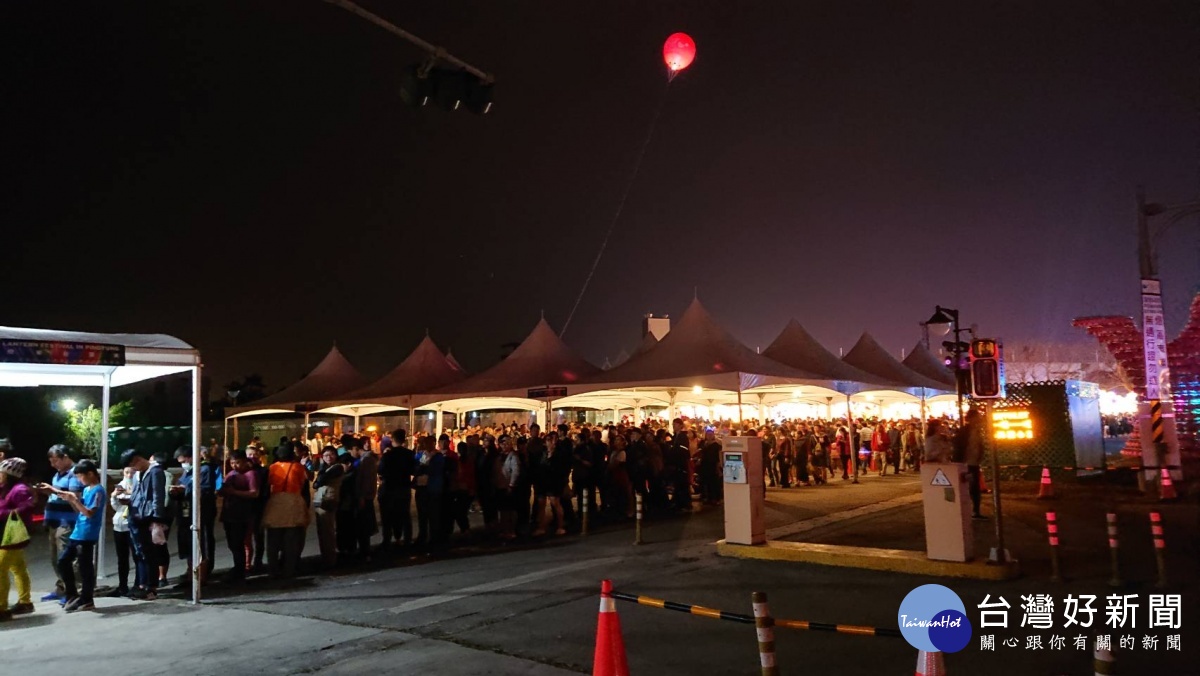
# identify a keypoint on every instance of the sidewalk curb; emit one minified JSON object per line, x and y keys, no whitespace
{"x":868,"y":558}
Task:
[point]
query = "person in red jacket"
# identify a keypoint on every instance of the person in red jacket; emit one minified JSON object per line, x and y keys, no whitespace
{"x":15,"y":498}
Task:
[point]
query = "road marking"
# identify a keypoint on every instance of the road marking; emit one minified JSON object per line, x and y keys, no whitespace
{"x":417,"y":604}
{"x":817,"y":522}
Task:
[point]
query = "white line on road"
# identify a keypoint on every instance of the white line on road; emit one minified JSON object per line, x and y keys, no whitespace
{"x":417,"y":604}
{"x":817,"y":522}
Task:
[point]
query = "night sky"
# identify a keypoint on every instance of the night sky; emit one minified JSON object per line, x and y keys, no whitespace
{"x":244,"y":176}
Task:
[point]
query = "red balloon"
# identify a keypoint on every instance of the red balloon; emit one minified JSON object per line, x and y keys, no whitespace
{"x":679,"y":51}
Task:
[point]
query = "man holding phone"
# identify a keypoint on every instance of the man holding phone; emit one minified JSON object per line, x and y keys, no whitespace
{"x":60,"y":515}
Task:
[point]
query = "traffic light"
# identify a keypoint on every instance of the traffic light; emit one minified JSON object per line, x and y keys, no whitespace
{"x":449,"y":88}
{"x":987,"y":369}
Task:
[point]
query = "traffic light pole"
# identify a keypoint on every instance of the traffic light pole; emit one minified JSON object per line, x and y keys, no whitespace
{"x":999,"y":555}
{"x":437,"y":52}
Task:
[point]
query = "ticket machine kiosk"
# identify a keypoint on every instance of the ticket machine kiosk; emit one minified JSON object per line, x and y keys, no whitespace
{"x":745,"y":490}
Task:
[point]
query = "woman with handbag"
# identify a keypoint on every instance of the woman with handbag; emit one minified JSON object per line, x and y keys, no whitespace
{"x":16,"y":514}
{"x":286,"y":515}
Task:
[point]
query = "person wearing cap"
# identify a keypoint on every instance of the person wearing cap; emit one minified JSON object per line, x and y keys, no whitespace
{"x":15,"y":498}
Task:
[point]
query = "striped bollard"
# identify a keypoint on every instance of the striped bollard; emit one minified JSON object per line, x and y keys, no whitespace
{"x":1052,"y":531}
{"x":637,"y":533}
{"x":584,"y":524}
{"x":764,"y":626}
{"x":1113,"y":546}
{"x":1160,"y":544}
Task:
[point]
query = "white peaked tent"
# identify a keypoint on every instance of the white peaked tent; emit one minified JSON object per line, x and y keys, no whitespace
{"x":405,"y":387}
{"x":333,"y":377}
{"x":542,"y":360}
{"x":796,"y":347}
{"x":697,"y":363}
{"x":868,"y":355}
{"x":921,"y":360}
{"x":40,"y":357}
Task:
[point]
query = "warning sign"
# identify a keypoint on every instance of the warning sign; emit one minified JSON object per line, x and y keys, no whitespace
{"x":939,"y":479}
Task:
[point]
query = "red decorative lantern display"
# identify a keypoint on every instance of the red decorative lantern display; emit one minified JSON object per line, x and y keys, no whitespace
{"x":679,"y":51}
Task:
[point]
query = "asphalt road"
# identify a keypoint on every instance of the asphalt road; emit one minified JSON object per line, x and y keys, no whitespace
{"x":531,"y":608}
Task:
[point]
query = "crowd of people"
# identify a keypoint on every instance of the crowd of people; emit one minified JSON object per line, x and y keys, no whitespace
{"x":355,"y":488}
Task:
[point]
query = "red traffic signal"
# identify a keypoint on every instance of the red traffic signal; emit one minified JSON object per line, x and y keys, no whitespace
{"x":987,"y":372}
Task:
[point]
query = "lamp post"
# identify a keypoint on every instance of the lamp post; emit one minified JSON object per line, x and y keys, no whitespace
{"x":945,"y":320}
{"x":1152,"y":412}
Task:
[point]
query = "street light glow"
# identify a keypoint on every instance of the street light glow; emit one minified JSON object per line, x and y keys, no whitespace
{"x":69,"y":404}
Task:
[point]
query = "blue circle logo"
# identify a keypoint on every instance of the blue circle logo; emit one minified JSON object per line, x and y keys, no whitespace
{"x":932,"y":618}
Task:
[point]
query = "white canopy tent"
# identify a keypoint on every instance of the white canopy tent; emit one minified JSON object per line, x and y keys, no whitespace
{"x":698,"y":363}
{"x":41,"y":357}
{"x":333,"y":377}
{"x":424,"y":370}
{"x":542,"y":360}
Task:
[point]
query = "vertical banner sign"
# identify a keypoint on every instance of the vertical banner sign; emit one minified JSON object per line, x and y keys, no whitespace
{"x":1154,"y":341}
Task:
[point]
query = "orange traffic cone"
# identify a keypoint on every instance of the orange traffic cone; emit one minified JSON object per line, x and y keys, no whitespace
{"x":1166,"y":488}
{"x":930,"y":664}
{"x":1046,"y":490}
{"x":610,"y":647}
{"x":983,"y":487}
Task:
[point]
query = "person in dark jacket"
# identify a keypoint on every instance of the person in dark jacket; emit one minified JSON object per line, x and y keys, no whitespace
{"x":148,"y":520}
{"x":676,"y":467}
{"x":395,"y":491}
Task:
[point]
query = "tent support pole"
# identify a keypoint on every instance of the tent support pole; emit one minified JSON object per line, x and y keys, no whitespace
{"x":437,"y":431}
{"x":304,"y":433}
{"x":197,"y":563}
{"x":356,"y":422}
{"x":924,"y":413}
{"x":739,"y":393}
{"x":411,"y":412}
{"x":105,"y":397}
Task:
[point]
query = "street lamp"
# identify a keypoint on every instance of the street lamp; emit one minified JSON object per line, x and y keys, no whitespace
{"x":233,"y":395}
{"x":68,"y":404}
{"x":944,"y":321}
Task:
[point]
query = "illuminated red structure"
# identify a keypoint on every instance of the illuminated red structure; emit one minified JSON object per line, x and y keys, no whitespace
{"x":1124,"y":341}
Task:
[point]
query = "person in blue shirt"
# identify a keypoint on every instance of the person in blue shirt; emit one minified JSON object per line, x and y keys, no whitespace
{"x":81,"y":546}
{"x":60,"y":516}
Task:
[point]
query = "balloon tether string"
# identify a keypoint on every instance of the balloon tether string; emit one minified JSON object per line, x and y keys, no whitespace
{"x":637,"y":167}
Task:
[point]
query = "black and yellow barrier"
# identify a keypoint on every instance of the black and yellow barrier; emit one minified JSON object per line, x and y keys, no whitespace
{"x":715,"y":614}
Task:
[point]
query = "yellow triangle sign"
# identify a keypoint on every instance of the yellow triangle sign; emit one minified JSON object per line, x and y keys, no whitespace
{"x":939,"y":479}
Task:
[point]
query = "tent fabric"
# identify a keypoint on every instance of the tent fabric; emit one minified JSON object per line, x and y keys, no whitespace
{"x":796,"y":347}
{"x":868,"y":355}
{"x":454,"y":363}
{"x":699,"y":351}
{"x":542,"y":359}
{"x":424,"y":370}
{"x":921,"y":360}
{"x":647,"y":344}
{"x":146,"y":356}
{"x":329,"y":381}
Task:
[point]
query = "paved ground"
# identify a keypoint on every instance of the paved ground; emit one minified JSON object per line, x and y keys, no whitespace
{"x":531,"y":609}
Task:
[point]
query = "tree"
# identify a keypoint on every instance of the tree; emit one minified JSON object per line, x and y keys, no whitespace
{"x":82,"y":428}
